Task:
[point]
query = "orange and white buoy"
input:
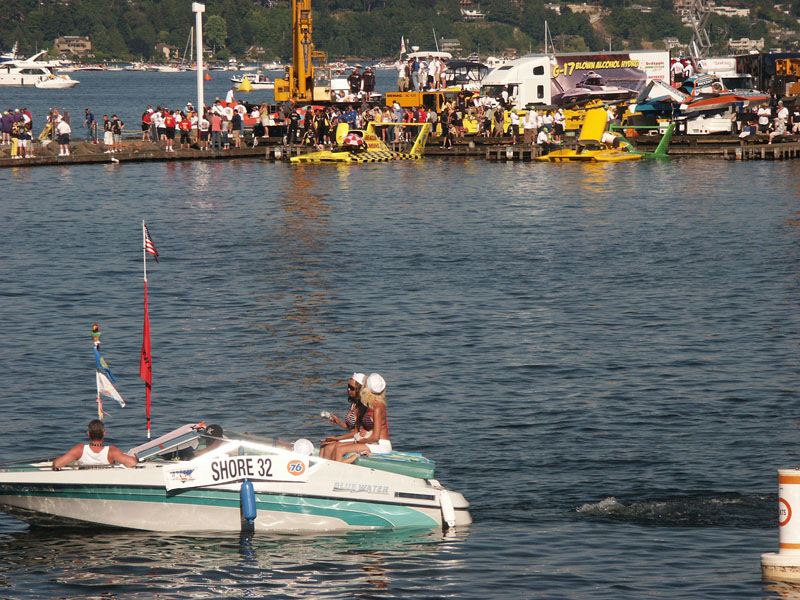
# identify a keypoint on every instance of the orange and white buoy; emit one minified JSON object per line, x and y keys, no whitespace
{"x":784,"y":565}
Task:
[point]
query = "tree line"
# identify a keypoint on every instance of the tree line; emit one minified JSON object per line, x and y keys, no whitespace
{"x":130,"y":29}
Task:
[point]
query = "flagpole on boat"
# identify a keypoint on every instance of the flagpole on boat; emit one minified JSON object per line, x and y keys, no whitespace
{"x":146,"y":331}
{"x":146,"y":360}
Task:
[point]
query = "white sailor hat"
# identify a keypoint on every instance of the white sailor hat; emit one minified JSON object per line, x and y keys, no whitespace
{"x":376,"y":383}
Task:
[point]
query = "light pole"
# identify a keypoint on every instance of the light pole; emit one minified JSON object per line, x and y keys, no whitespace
{"x":198,"y":10}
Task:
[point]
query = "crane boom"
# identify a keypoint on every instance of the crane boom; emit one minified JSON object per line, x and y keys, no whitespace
{"x":299,"y":83}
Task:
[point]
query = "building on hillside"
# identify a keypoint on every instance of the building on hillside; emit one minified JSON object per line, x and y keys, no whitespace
{"x":451,"y":45}
{"x":745,"y":45}
{"x":671,"y":42}
{"x":729,"y":11}
{"x":167,"y":51}
{"x":584,"y":8}
{"x":77,"y":45}
{"x":472,"y":14}
{"x":593,"y":11}
{"x":471,"y":11}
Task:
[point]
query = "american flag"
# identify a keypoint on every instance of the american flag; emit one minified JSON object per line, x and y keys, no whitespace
{"x":149,"y":246}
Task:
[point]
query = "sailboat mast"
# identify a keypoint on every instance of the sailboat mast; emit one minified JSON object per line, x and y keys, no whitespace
{"x":188,"y":44}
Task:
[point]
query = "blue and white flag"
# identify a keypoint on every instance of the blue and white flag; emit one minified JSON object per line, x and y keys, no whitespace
{"x":102,"y":366}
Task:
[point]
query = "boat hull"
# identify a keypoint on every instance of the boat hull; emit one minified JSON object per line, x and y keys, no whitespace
{"x":338,"y":497}
{"x":57,"y":84}
{"x":609,"y":155}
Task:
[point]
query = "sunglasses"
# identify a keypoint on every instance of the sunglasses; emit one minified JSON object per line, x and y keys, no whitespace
{"x":352,"y":388}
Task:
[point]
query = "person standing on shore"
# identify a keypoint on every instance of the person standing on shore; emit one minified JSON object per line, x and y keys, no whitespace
{"x":216,"y":132}
{"x":203,"y":125}
{"x":169,"y":131}
{"x":63,"y":130}
{"x":91,"y":126}
{"x":108,"y":135}
{"x":236,"y":128}
{"x":146,"y":122}
{"x":529,"y":126}
{"x":116,"y":129}
{"x":293,"y":122}
{"x":185,"y":127}
{"x":5,"y":127}
{"x":154,"y":124}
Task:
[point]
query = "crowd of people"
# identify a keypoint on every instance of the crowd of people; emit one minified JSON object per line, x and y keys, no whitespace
{"x":221,"y":127}
{"x":418,"y":75}
{"x":16,"y":126}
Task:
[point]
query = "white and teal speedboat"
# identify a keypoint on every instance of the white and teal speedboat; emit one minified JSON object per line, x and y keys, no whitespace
{"x":240,"y":483}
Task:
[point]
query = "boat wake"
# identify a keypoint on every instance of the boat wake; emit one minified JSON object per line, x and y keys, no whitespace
{"x":702,"y":510}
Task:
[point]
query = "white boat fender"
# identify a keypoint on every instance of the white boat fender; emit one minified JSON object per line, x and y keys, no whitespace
{"x":448,"y":512}
{"x":248,"y":495}
{"x":445,"y":503}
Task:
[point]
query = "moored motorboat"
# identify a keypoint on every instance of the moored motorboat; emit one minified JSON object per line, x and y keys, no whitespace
{"x":60,"y":82}
{"x":28,"y":71}
{"x":188,"y":480}
{"x":259,"y":81}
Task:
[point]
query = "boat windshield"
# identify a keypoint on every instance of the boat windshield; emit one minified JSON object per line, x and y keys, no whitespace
{"x":740,"y":82}
{"x":492,"y":91}
{"x":465,"y":72}
{"x":185,"y":442}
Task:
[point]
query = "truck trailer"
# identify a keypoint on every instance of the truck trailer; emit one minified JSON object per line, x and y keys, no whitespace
{"x":575,"y":78}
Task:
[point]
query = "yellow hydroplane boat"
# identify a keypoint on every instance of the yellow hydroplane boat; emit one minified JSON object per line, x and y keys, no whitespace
{"x":595,"y":144}
{"x":359,"y":146}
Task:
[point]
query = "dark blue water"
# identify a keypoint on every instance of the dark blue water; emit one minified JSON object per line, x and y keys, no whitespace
{"x":603,"y":359}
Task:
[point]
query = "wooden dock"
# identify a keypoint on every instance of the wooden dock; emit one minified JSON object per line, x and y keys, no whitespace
{"x":87,"y":153}
{"x":524,"y":153}
{"x":492,"y":149}
{"x":776,"y":151}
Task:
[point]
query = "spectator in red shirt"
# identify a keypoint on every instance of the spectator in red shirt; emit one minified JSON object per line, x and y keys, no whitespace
{"x":169,"y":126}
{"x":185,"y":127}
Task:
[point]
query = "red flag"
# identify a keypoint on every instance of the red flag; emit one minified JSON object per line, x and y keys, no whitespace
{"x":146,"y":361}
{"x":402,"y":46}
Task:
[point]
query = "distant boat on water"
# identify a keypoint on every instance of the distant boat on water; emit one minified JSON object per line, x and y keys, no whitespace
{"x":259,"y":81}
{"x":30,"y":71}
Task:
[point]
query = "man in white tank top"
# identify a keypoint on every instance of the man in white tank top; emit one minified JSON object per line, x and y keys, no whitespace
{"x":94,"y":453}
